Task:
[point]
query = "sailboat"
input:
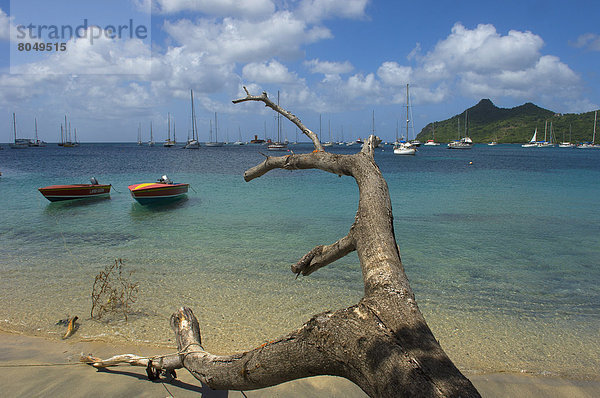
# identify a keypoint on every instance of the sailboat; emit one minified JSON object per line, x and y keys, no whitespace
{"x":168,"y":142}
{"x":151,"y":142}
{"x":432,"y":142}
{"x":532,"y":142}
{"x":216,"y":142}
{"x":404,"y":148}
{"x":239,"y":141}
{"x":566,"y":144}
{"x":193,"y":143}
{"x":278,"y":145}
{"x":139,"y":137}
{"x":546,"y":143}
{"x":36,"y":143}
{"x":67,"y":143}
{"x":328,"y":143}
{"x":587,"y":145}
{"x":465,"y":142}
{"x":19,"y":143}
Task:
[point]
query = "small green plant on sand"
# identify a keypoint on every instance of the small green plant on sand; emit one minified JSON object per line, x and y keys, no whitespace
{"x":113,"y":291}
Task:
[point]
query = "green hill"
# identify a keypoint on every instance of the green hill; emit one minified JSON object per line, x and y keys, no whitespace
{"x":487,"y":122}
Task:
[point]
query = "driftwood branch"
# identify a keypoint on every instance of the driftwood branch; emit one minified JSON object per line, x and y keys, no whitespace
{"x":322,"y":255}
{"x":382,"y":343}
{"x":288,"y":115}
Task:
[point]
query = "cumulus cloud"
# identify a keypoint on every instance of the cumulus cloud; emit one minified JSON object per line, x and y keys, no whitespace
{"x":480,"y":62}
{"x":238,"y":8}
{"x":237,"y":40}
{"x":268,"y":72}
{"x":318,"y":10}
{"x":327,"y":67}
{"x":100,"y":56}
{"x":393,"y":74}
{"x":590,"y":41}
{"x":483,"y":49}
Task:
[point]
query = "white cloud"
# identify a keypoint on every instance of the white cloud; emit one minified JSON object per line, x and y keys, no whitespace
{"x":235,"y":40}
{"x":327,"y":67}
{"x":238,"y":8}
{"x":102,"y":56}
{"x":319,"y":10}
{"x":271,"y":72}
{"x":483,"y":49}
{"x":591,"y":41}
{"x":179,"y":70}
{"x":393,"y":74}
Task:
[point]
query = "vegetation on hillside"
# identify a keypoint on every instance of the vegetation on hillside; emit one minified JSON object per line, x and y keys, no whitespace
{"x":487,"y":122}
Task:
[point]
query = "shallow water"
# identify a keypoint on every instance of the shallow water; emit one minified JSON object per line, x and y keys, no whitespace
{"x":502,"y":254}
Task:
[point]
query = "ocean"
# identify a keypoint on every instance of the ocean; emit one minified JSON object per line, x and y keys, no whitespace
{"x":501,"y":245}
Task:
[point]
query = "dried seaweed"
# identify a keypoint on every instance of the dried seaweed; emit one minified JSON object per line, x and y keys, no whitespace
{"x":113,"y":291}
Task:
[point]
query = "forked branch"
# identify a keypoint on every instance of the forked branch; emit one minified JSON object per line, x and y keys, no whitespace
{"x":382,"y":343}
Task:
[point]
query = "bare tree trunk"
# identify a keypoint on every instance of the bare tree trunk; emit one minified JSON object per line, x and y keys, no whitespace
{"x":382,"y":344}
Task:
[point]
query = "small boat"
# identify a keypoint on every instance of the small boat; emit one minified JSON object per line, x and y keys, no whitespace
{"x":156,"y":192}
{"x":55,"y":193}
{"x":404,"y":148}
{"x":432,"y":142}
{"x":463,"y":143}
{"x":257,"y":140}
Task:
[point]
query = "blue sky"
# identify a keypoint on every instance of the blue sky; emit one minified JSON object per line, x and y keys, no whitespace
{"x":341,"y":59}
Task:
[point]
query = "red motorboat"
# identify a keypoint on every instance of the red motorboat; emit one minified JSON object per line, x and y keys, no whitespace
{"x":158,"y":192}
{"x":55,"y":193}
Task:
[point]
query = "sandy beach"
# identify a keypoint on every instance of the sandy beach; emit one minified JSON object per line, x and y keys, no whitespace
{"x":63,"y":376}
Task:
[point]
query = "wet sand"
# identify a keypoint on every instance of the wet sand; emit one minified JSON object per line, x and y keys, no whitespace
{"x":19,"y":379}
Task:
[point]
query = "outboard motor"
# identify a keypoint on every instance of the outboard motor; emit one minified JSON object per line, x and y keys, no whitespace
{"x":164,"y":180}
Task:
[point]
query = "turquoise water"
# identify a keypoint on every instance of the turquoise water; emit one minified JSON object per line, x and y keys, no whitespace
{"x":502,"y":254}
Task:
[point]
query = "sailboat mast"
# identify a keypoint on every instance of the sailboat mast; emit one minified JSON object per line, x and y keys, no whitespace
{"x":15,"y":126}
{"x":373,"y":122}
{"x":193,"y":118}
{"x":36,"y":136}
{"x":216,"y":129}
{"x":169,"y":126}
{"x":407,"y":118}
{"x":320,"y":134}
{"x":594,"y":136}
{"x":278,"y":120}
